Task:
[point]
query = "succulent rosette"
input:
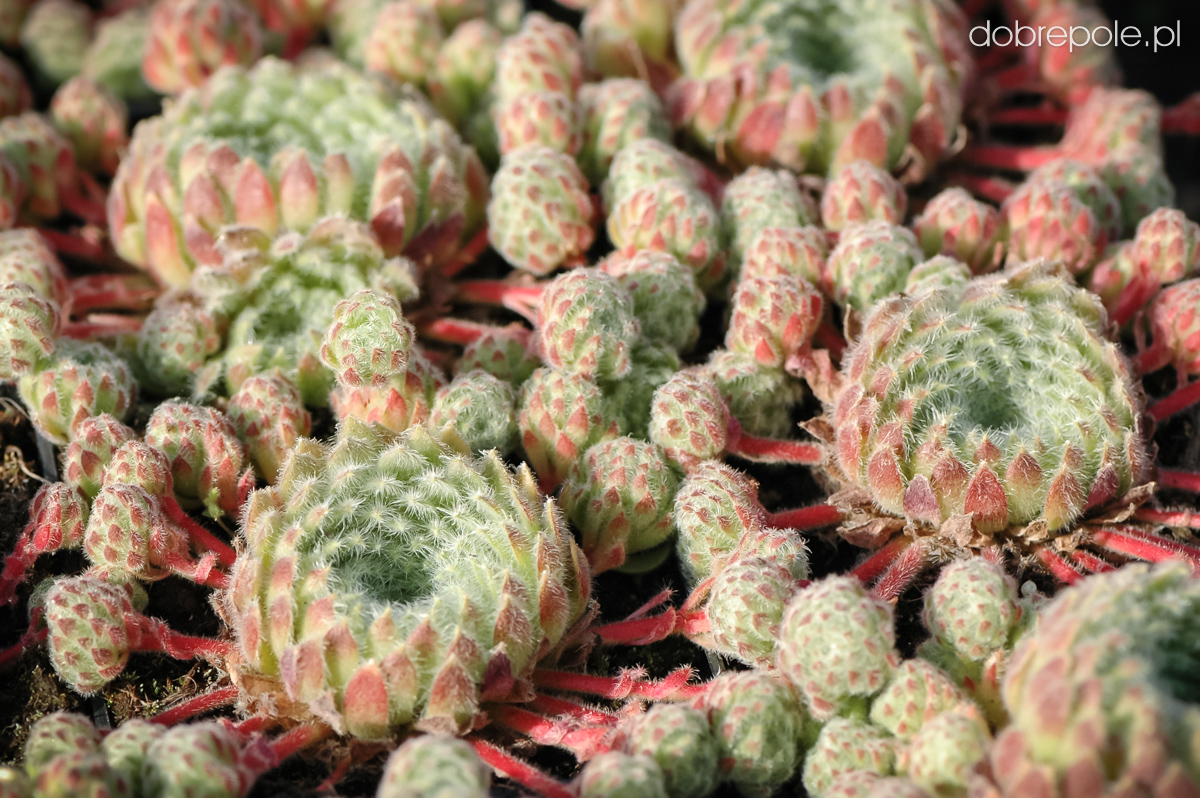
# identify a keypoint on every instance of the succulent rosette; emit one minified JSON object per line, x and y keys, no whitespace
{"x":404,"y":41}
{"x":615,"y":774}
{"x":620,"y":495}
{"x":836,"y":644}
{"x":174,"y":343}
{"x":949,"y":406}
{"x":759,"y":199}
{"x":562,"y":415}
{"x":666,"y":301}
{"x":55,"y":36}
{"x":759,"y":724}
{"x":481,"y":410}
{"x":276,"y":148}
{"x":45,"y":173}
{"x":813,"y":86}
{"x":847,"y":745}
{"x":206,"y":458}
{"x":871,"y":261}
{"x":792,"y":251}
{"x":433,"y":765}
{"x":681,"y":741}
{"x":80,"y":380}
{"x":861,"y":192}
{"x":269,"y":417}
{"x":615,"y":113}
{"x":1100,"y":690}
{"x":761,"y":399}
{"x":463,"y":70}
{"x":191,"y":39}
{"x":114,"y":57}
{"x":29,"y":328}
{"x":424,"y":615}
{"x":540,"y":214}
{"x":586,"y":324}
{"x":95,"y":122}
{"x":956,"y":224}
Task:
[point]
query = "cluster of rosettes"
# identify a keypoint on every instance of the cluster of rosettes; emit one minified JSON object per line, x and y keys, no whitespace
{"x":1165,"y":249}
{"x":65,"y":754}
{"x":1000,"y":402}
{"x":609,"y":337}
{"x":382,"y":376}
{"x":776,"y":307}
{"x":813,"y":86}
{"x":720,"y":519}
{"x":61,"y":381}
{"x":1118,"y":131}
{"x":276,"y":148}
{"x":841,"y":710}
{"x":655,"y":199}
{"x":263,"y":307}
{"x":426,"y":583}
{"x":538,"y":74}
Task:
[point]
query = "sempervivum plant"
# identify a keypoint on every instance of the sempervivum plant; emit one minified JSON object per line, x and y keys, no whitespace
{"x":55,"y":37}
{"x":861,"y":192}
{"x":95,"y":442}
{"x":206,"y":457}
{"x":481,"y":410}
{"x":847,"y":745}
{"x":614,"y":114}
{"x":950,"y":405}
{"x":81,"y":379}
{"x":811,"y":86}
{"x":759,"y":724}
{"x":275,"y":300}
{"x":837,"y":645}
{"x":773,"y":320}
{"x":681,"y":741}
{"x":276,"y":148}
{"x":1175,"y":320}
{"x":434,"y":765}
{"x":870,"y":262}
{"x":174,"y":343}
{"x":538,"y":74}
{"x":795,"y":251}
{"x":562,"y":414}
{"x":748,"y":598}
{"x":114,"y":57}
{"x":616,"y":774}
{"x":586,"y":324}
{"x":1102,"y":689}
{"x":620,"y":494}
{"x":404,"y":41}
{"x":1165,"y":249}
{"x":956,"y":224}
{"x":1048,"y":219}
{"x":269,"y":417}
{"x":666,"y":301}
{"x":540,"y":214}
{"x":94,"y":120}
{"x":404,"y":611}
{"x":760,"y":199}
{"x":191,"y":39}
{"x":29,"y":327}
{"x":463,"y":70}
{"x":655,"y":200}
